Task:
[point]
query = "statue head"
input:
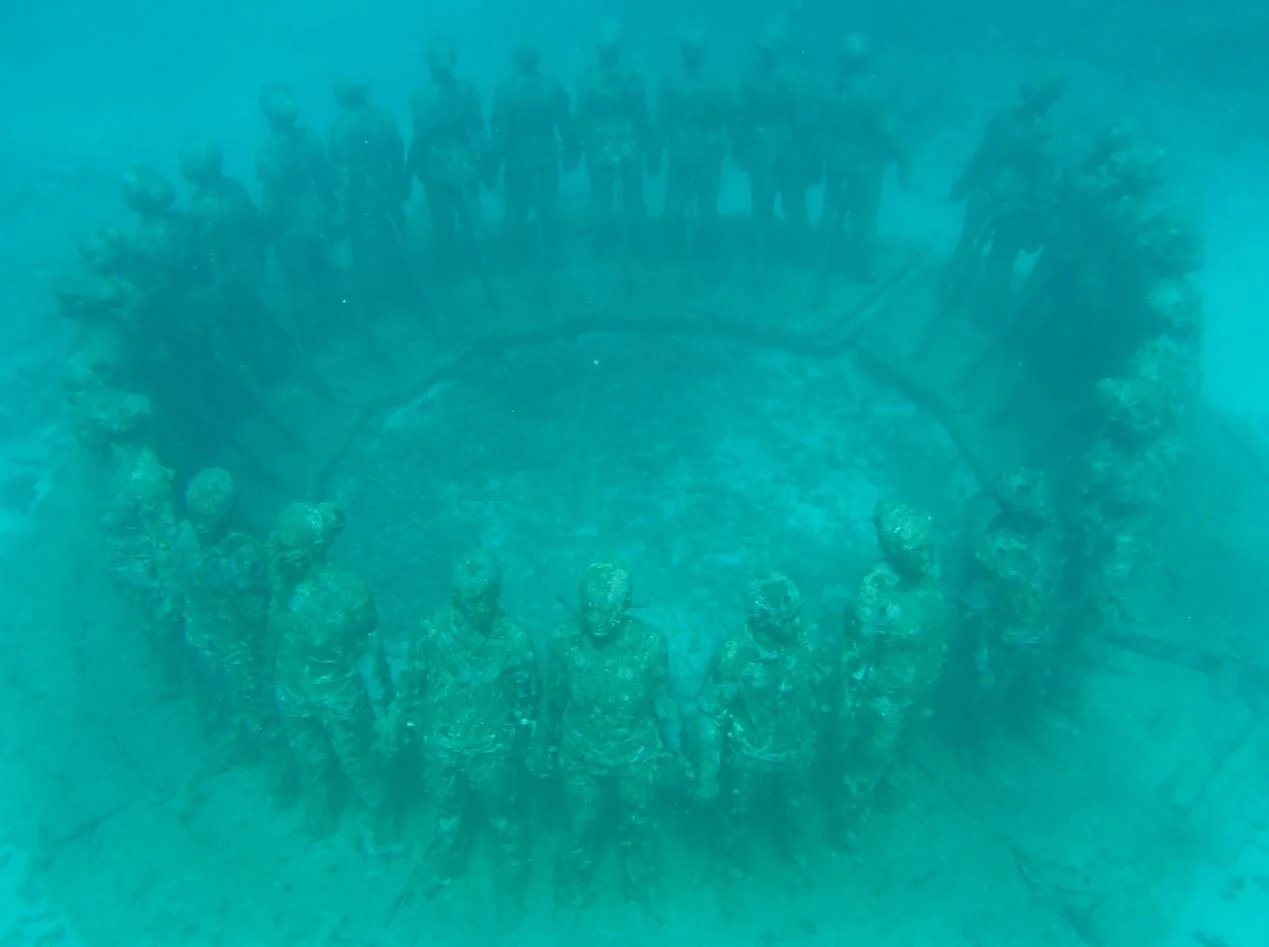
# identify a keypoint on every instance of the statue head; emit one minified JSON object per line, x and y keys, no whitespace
{"x":477,"y":584}
{"x":201,"y":161}
{"x":104,"y":250}
{"x":525,"y":56}
{"x":773,"y":609}
{"x":278,"y":104}
{"x":606,"y":594}
{"x":1039,"y":94}
{"x":107,"y":416}
{"x":693,"y":47}
{"x":1024,"y":492}
{"x":855,"y":53}
{"x":301,"y":537}
{"x":209,"y":497}
{"x":773,"y":42}
{"x":146,"y":191}
{"x":1135,"y":408}
{"x":442,"y":57}
{"x":905,"y":537}
{"x":610,"y":42}
{"x":1172,"y":239}
{"x":350,"y":91}
{"x":97,"y":363}
{"x":1175,"y":306}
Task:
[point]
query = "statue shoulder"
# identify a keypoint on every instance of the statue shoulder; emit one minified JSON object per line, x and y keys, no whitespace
{"x":565,"y":639}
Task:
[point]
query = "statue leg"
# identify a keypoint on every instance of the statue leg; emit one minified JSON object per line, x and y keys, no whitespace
{"x":583,"y":802}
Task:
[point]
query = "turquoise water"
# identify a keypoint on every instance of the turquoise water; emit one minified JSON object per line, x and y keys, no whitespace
{"x":701,"y":422}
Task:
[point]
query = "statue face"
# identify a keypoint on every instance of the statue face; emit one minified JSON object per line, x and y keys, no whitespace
{"x":477,"y":610}
{"x":603,"y":622}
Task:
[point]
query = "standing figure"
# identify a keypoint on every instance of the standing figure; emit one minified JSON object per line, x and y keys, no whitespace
{"x":610,"y":720}
{"x":859,"y":142}
{"x":1010,"y":609}
{"x":227,"y":252}
{"x":131,"y":495}
{"x":761,"y":715}
{"x":226,"y":241}
{"x":322,"y":622}
{"x":1009,"y":188}
{"x":449,"y":153}
{"x":772,"y":144}
{"x":224,"y":575}
{"x":892,"y":656}
{"x":368,"y":154}
{"x":693,"y":121}
{"x":178,"y":346}
{"x":532,"y":127}
{"x":158,"y":258}
{"x":469,"y":694}
{"x":616,"y":134}
{"x":298,"y":208}
{"x":1126,"y":477}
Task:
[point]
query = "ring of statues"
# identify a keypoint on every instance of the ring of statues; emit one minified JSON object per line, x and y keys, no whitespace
{"x":1058,"y":345}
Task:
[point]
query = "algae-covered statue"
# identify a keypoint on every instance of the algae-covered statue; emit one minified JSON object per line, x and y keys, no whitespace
{"x":323,"y":623}
{"x":611,"y":722}
{"x":615,"y":128}
{"x":892,"y":656}
{"x":1125,"y":479}
{"x":298,"y":210}
{"x":1010,"y":190}
{"x":762,"y":710}
{"x":131,"y":494}
{"x":367,"y":152}
{"x":772,"y":144}
{"x":532,"y":129}
{"x":469,"y":699}
{"x":1011,"y":603}
{"x":224,"y":577}
{"x":859,"y":143}
{"x":694,"y":118}
{"x":449,"y":154}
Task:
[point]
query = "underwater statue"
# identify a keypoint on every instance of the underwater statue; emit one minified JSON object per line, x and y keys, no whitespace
{"x":450,"y":153}
{"x":892,"y":657}
{"x":226,"y":239}
{"x":158,"y":257}
{"x":533,"y":130}
{"x":1009,"y":187}
{"x":323,"y":624}
{"x":228,"y":255}
{"x":131,"y":495}
{"x":1011,"y":605}
{"x":611,"y":724}
{"x":762,"y":710}
{"x":694,"y":118}
{"x":1125,"y":479}
{"x":469,"y":700}
{"x":299,"y":213}
{"x":772,"y":145}
{"x":615,"y":128}
{"x":859,"y":142}
{"x":224,"y":576}
{"x":367,"y":152}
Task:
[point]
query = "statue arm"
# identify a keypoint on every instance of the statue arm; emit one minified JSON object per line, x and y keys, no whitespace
{"x":642,"y":114}
{"x":669,"y":720}
{"x":556,"y":699}
{"x":527,"y":690}
{"x":567,"y":128}
{"x":710,"y":719}
{"x":498,"y":125}
{"x":394,"y":146}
